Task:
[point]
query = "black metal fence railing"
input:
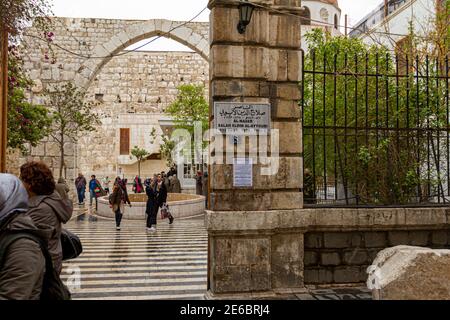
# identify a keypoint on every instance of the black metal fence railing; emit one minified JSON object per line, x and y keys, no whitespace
{"x":375,"y":130}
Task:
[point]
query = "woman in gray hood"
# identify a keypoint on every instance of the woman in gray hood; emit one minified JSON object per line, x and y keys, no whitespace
{"x":46,"y":207}
{"x":22,"y":267}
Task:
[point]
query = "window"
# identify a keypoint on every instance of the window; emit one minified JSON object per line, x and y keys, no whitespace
{"x":324,"y":15}
{"x":99,"y":97}
{"x":306,"y":16}
{"x":124,"y":141}
{"x":336,"y":22}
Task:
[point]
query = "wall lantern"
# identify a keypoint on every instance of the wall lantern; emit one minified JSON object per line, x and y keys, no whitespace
{"x":245,"y":15}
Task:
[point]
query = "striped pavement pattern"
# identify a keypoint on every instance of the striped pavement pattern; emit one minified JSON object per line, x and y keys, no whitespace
{"x":137,"y":265}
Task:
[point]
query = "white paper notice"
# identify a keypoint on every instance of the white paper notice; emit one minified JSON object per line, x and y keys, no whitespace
{"x":243,"y":172}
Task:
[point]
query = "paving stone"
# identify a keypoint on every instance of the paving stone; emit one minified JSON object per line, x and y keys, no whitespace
{"x":305,"y":296}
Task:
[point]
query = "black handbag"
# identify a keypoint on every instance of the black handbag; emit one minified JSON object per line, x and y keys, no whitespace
{"x":71,"y":245}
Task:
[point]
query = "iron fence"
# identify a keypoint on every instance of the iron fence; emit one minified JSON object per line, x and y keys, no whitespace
{"x":375,"y":129}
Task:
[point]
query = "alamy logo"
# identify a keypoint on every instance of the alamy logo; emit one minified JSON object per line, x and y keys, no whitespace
{"x":73,"y":282}
{"x":222,"y":147}
{"x":374,"y":279}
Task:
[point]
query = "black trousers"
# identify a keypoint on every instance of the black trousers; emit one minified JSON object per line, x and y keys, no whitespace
{"x":151,"y":217}
{"x":119,"y":216}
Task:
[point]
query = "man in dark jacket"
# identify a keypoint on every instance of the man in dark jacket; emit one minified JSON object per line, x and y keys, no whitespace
{"x":23,"y":265}
{"x":94,"y":185}
{"x":80,"y":184}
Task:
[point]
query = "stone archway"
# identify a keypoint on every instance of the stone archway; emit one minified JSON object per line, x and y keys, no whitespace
{"x":103,"y":53}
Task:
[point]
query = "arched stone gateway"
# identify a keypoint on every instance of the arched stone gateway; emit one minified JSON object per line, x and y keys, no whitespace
{"x":104,"y":52}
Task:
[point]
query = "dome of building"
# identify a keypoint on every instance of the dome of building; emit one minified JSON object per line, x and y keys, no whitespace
{"x":332,"y":2}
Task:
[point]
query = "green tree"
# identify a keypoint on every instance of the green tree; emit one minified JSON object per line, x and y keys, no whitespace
{"x":190,"y":107}
{"x":358,"y":140}
{"x":27,"y":123}
{"x":141,"y":155}
{"x":71,"y":116}
{"x":15,"y":15}
{"x":165,"y":148}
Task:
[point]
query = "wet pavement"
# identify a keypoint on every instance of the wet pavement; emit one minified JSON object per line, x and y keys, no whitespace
{"x":168,"y":264}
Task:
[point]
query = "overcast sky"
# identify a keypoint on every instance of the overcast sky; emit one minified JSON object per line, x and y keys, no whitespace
{"x":180,"y":10}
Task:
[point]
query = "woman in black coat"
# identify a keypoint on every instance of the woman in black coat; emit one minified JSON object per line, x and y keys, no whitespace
{"x":152,"y":205}
{"x":162,"y":197}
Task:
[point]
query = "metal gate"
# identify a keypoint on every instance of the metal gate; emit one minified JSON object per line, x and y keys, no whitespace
{"x":375,"y":130}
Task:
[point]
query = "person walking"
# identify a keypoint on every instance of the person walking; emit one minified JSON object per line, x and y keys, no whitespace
{"x":105,"y":184}
{"x":199,"y":184}
{"x":95,"y":190}
{"x":161,"y":197}
{"x":175,"y":184}
{"x":116,"y":202}
{"x":123,"y":185}
{"x":152,"y":205}
{"x":165,"y":180}
{"x":147,"y":183}
{"x":80,"y":185}
{"x":22,"y":267}
{"x":46,"y":207}
{"x":137,"y":185}
{"x":62,"y":188}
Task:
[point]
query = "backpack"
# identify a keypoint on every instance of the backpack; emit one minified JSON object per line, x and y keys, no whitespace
{"x":52,"y":287}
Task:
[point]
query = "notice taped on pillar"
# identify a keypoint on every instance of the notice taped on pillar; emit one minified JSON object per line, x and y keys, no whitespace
{"x":241,"y":117}
{"x":243,"y":172}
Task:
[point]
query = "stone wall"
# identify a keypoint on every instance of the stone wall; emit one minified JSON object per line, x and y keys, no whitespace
{"x":139,"y":83}
{"x":343,"y":257}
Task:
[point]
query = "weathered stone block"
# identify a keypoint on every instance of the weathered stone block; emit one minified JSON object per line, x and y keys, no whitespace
{"x":356,"y":257}
{"x":285,"y":200}
{"x":225,"y":20}
{"x":284,"y":31}
{"x":411,"y":273}
{"x":290,"y":137}
{"x":375,"y":239}
{"x":337,"y":240}
{"x":313,"y":240}
{"x":287,"y":91}
{"x":287,"y":261}
{"x":439,"y":238}
{"x":347,"y":275}
{"x":357,"y":239}
{"x":398,"y":238}
{"x":250,"y":251}
{"x":311,"y":258}
{"x":419,"y":238}
{"x":285,"y":109}
{"x":318,"y":276}
{"x":294,"y":65}
{"x":330,"y":259}
{"x":278,"y":65}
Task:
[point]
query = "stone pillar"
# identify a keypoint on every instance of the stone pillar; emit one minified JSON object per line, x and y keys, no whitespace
{"x":255,"y":234}
{"x":3,"y":97}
